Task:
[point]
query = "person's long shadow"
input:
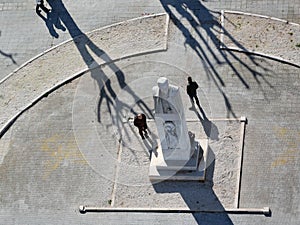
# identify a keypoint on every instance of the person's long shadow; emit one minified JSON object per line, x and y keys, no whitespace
{"x":52,"y":21}
{"x":199,"y":196}
{"x":201,"y":19}
{"x":210,"y":129}
{"x":107,"y":93}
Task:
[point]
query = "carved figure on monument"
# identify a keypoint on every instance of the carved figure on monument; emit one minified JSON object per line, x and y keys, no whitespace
{"x":171,"y":135}
{"x":170,"y":119}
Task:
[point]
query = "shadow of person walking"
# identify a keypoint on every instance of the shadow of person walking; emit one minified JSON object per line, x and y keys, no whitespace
{"x":210,"y":129}
{"x":40,"y":5}
{"x":52,"y":21}
{"x":200,"y":28}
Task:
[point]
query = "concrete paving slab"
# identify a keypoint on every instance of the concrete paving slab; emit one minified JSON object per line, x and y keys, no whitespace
{"x":231,"y":85}
{"x":43,"y":168}
{"x":66,"y":56}
{"x":263,"y":34}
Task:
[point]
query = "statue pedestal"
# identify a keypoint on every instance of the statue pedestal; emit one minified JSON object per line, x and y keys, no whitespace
{"x":164,"y":168}
{"x":176,"y":156}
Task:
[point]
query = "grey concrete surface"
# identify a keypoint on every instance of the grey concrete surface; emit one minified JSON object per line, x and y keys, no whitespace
{"x":24,"y":34}
{"x":46,"y":172}
{"x":99,"y":47}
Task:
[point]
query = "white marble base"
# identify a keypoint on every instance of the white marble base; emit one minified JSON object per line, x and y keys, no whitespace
{"x":194,"y":169}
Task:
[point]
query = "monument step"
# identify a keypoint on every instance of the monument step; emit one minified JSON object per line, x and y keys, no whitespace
{"x":196,"y":175}
{"x":191,"y":164}
{"x":173,"y":172}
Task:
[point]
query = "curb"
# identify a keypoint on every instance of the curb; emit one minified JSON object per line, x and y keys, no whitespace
{"x":244,"y":122}
{"x":246,"y":51}
{"x":12,"y":119}
{"x":266,"y":211}
{"x":10,"y":122}
{"x":258,"y":15}
{"x":87,"y":33}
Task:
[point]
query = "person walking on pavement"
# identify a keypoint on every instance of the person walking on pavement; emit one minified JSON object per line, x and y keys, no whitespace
{"x":191,"y":90}
{"x":141,"y":124}
{"x":40,"y":4}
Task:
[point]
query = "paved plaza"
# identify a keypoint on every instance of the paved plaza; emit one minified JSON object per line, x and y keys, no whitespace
{"x":72,"y":80}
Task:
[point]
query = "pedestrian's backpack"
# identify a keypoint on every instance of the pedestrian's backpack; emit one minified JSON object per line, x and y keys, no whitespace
{"x":196,"y":85}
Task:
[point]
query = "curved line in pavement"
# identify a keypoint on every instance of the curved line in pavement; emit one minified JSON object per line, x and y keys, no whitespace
{"x":154,"y":49}
{"x":246,"y":51}
{"x":272,"y":57}
{"x":72,"y":39}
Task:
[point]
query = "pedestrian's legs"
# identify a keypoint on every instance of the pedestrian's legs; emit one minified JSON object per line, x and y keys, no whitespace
{"x":141,"y":132}
{"x":44,"y":8}
{"x":145,"y":128}
{"x":197,"y":101}
{"x":192,"y":100}
{"x":145,"y":132}
{"x":38,"y":11}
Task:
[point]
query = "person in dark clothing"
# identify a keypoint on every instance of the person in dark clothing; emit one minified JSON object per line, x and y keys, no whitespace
{"x":141,"y":124}
{"x":40,"y":4}
{"x":191,"y":90}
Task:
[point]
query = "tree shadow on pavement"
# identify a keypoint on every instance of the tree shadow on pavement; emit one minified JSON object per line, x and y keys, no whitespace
{"x":85,"y":45}
{"x":10,"y":56}
{"x":201,"y":35}
{"x":199,"y":196}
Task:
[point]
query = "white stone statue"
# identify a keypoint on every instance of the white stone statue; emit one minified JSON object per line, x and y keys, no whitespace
{"x":170,"y":121}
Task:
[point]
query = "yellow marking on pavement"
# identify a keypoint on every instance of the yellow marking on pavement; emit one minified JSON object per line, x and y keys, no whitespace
{"x":281,"y":132}
{"x":61,"y":151}
{"x":289,"y":155}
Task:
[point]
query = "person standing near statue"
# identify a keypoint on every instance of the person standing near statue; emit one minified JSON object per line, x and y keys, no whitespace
{"x":40,"y":4}
{"x":141,"y":123}
{"x":191,"y":90}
